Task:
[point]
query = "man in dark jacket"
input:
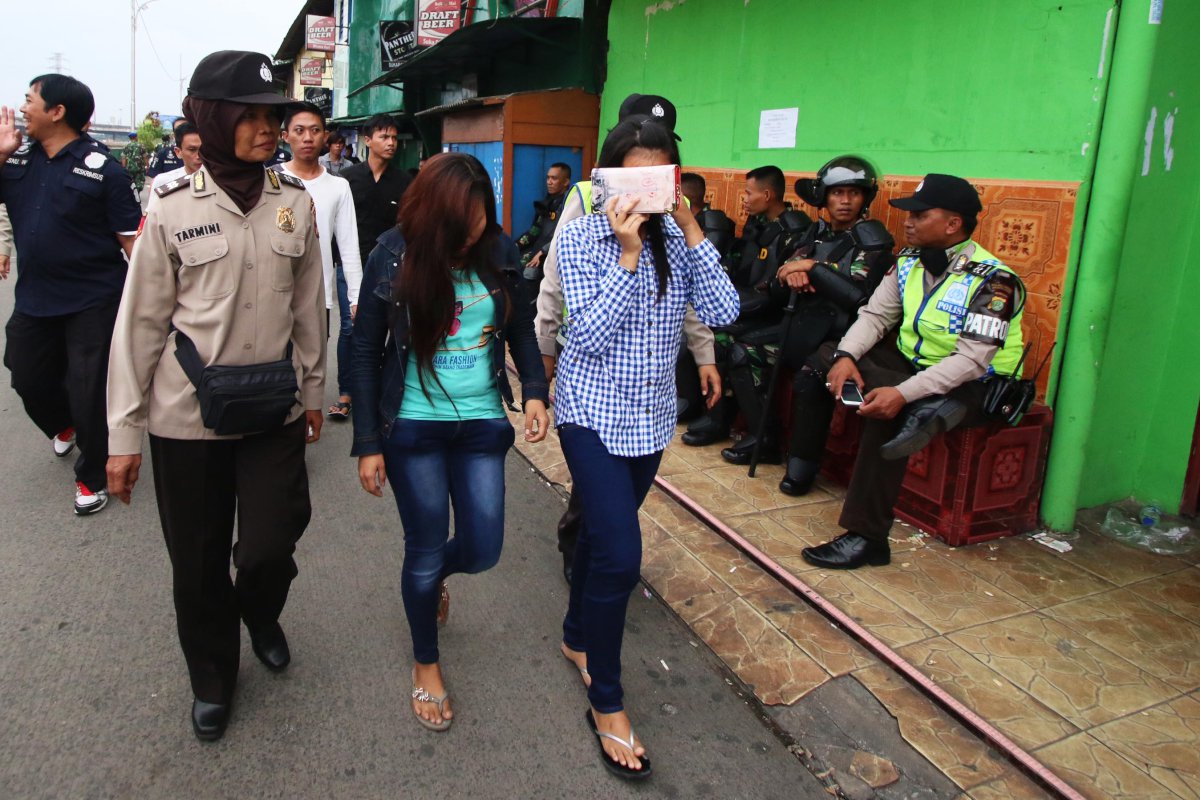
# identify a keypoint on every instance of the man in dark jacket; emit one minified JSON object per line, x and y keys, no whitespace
{"x":535,"y":241}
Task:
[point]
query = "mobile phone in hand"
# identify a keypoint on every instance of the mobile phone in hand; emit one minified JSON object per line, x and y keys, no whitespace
{"x":654,"y":189}
{"x":851,"y":394}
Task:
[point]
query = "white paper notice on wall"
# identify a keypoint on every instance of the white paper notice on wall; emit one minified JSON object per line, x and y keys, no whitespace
{"x":1156,"y":12}
{"x":777,"y":127}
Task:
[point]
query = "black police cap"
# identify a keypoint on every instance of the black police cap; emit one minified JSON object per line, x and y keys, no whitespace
{"x":659,"y":108}
{"x":238,"y":76}
{"x":942,"y":191}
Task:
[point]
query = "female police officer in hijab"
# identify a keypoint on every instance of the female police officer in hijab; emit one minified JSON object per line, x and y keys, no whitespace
{"x":225,"y":283}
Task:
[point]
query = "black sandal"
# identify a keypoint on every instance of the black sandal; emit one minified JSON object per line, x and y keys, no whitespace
{"x":615,"y":767}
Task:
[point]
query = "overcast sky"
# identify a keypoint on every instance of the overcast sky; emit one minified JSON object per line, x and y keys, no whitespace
{"x":93,"y":38}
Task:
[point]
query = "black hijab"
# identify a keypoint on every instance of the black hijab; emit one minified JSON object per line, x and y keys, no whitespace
{"x":216,"y":120}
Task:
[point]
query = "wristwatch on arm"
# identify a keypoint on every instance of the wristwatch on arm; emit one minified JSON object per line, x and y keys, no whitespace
{"x":838,"y":355}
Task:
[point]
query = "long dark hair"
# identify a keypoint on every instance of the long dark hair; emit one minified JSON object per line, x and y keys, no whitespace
{"x":435,"y":216}
{"x":643,"y":131}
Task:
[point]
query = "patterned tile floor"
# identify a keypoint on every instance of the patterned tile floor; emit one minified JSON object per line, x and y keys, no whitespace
{"x":1089,"y":659}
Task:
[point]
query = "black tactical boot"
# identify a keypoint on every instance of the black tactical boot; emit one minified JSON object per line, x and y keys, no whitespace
{"x":923,"y":420}
{"x":800,"y":476}
{"x":740,"y":453}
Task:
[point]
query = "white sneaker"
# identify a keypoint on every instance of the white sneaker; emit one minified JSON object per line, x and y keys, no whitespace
{"x":87,"y":501}
{"x":64,"y":442}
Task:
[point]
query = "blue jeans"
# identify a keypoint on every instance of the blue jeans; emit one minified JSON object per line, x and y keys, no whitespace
{"x":347,"y":327}
{"x":432,"y":466}
{"x":608,"y":556}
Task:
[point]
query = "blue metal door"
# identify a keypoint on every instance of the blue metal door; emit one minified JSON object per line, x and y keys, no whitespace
{"x":530,"y":163}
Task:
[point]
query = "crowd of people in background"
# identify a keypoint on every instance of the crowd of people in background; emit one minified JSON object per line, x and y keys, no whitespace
{"x":259,"y":218}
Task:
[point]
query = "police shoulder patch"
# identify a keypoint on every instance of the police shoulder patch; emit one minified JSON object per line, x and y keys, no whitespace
{"x":171,"y":187}
{"x":291,"y":180}
{"x":981,"y":269}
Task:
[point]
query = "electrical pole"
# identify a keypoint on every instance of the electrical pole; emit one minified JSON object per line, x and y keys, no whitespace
{"x":133,"y":9}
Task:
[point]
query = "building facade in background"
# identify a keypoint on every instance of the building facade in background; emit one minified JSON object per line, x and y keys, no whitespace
{"x":1074,"y":121}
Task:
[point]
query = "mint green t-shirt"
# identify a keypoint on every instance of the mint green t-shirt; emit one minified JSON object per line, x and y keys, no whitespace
{"x":462,"y":363}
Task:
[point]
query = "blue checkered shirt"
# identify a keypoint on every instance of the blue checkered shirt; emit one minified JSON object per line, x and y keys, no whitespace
{"x":616,"y":375}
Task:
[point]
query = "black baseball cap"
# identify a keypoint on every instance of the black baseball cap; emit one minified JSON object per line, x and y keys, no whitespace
{"x":657,"y":107}
{"x":942,"y":191}
{"x":238,"y":76}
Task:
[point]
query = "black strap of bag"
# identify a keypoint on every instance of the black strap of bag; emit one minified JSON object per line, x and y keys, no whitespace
{"x":1008,"y":397}
{"x":249,"y":398}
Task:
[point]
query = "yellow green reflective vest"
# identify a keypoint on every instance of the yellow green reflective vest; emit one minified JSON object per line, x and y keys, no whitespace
{"x":585,"y":195}
{"x":933,"y":322}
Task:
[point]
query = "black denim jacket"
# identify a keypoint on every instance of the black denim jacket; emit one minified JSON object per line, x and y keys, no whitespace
{"x":380,"y":350}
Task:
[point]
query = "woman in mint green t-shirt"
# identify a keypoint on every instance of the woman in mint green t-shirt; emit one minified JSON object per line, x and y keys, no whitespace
{"x":438,"y":302}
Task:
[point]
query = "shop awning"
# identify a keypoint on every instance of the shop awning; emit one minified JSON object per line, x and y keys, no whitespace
{"x":472,"y":48}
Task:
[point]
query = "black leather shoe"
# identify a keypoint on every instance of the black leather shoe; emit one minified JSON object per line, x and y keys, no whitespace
{"x":209,"y":720}
{"x":708,"y":434}
{"x":271,"y":647}
{"x":923,"y":420}
{"x":740,"y":453}
{"x":848,"y":551}
{"x":800,"y":476}
{"x":568,"y":566}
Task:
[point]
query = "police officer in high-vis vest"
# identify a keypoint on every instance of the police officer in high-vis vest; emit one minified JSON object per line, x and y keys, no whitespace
{"x":959,"y":310}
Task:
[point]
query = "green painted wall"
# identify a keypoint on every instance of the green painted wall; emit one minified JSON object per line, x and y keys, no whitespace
{"x":1010,"y":89}
{"x":986,"y":88}
{"x":364,"y":55}
{"x":1149,"y":381}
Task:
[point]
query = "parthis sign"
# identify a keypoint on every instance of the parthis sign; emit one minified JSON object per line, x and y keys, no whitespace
{"x":437,"y":19}
{"x":319,"y":33}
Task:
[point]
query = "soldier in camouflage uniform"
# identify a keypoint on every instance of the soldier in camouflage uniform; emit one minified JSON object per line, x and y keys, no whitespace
{"x":134,"y":159}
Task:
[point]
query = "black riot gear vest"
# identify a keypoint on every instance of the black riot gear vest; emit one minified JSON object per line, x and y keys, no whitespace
{"x":718,"y":229}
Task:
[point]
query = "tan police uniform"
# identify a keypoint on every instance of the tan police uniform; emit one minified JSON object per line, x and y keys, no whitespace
{"x":241,"y":287}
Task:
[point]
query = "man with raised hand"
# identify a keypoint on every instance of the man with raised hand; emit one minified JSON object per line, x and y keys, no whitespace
{"x":74,"y":213}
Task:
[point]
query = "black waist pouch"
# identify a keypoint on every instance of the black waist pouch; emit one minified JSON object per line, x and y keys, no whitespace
{"x":243,"y":399}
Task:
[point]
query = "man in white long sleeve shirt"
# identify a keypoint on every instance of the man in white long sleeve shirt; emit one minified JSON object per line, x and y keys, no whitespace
{"x":304,"y":129}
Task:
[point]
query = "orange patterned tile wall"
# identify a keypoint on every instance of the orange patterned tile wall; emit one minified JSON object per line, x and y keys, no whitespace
{"x":1026,"y":224}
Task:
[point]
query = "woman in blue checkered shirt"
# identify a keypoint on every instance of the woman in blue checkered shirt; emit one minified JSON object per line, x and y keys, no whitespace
{"x":627,"y":279}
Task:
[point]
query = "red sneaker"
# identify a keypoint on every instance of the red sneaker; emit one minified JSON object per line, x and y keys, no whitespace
{"x":87,"y":501}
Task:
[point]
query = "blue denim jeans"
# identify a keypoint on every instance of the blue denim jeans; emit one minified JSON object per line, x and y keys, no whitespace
{"x":432,"y":467}
{"x":346,"y":328}
{"x":608,"y":556}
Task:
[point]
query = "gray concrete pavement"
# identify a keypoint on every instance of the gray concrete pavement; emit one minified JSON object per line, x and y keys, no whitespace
{"x":94,"y":697}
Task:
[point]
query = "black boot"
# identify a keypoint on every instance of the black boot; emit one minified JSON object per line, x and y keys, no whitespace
{"x":713,"y":427}
{"x":209,"y":720}
{"x":271,"y":647}
{"x":923,"y":420}
{"x":740,"y":453}
{"x":800,"y":476}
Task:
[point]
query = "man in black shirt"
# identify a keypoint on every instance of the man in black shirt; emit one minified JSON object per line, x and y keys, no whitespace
{"x":376,"y":184}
